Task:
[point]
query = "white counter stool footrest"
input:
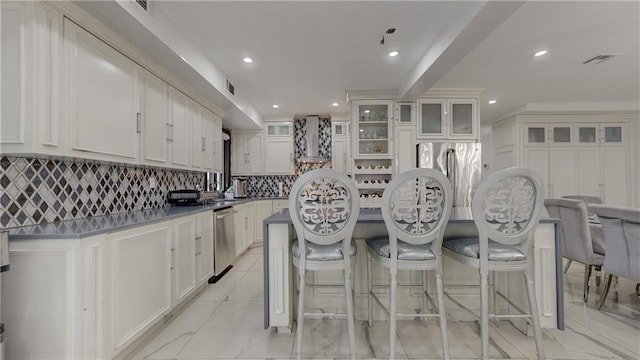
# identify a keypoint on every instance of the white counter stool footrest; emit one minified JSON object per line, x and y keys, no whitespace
{"x":506,"y":209}
{"x":324,"y":206}
{"x":416,"y":207}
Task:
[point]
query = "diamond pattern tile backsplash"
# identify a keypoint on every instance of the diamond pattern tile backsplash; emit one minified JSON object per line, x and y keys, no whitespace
{"x":35,"y":190}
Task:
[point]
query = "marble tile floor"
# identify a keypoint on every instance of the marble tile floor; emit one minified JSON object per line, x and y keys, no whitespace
{"x":225,"y":322}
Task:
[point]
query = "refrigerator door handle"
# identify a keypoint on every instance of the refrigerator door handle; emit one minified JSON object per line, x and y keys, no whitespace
{"x":451,"y":171}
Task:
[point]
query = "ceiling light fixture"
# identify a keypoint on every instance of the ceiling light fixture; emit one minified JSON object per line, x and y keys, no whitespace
{"x":367,"y":111}
{"x":275,"y":106}
{"x":492,"y":101}
{"x":393,"y":53}
{"x":540,"y":53}
{"x":335,"y":104}
{"x":248,"y":60}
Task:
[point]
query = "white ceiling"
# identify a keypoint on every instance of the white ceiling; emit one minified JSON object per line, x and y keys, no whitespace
{"x":309,"y":54}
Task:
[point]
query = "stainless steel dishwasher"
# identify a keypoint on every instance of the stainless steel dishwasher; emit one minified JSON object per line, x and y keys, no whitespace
{"x":224,"y":248}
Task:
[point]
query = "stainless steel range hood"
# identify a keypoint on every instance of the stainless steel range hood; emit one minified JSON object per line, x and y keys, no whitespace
{"x":312,"y":153}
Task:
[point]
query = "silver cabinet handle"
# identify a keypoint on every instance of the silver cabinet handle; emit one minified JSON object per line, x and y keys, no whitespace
{"x":139,"y":123}
{"x":202,"y":143}
{"x":171,"y":265}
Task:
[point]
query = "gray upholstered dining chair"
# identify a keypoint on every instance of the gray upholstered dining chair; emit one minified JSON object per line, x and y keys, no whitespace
{"x":324,"y":205}
{"x":416,"y":207}
{"x":579,"y":243}
{"x":506,"y":209}
{"x":598,"y":242}
{"x":621,"y":230}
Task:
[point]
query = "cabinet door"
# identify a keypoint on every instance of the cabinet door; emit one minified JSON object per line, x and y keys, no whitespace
{"x":405,"y":114}
{"x":153,"y":120}
{"x":537,"y":158}
{"x":562,"y":171}
{"x":204,"y":246}
{"x":102,"y":98}
{"x":373,"y":128}
{"x":255,"y":154}
{"x":463,"y":120}
{"x":339,"y":154}
{"x":179,"y":129}
{"x":431,"y":118}
{"x":240,"y":226}
{"x":264,"y":209}
{"x":613,"y":134}
{"x":216,"y":147}
{"x":238,"y":154}
{"x":184,"y":250}
{"x":405,"y":144}
{"x":278,"y":156}
{"x":197,"y":137}
{"x":588,"y":171}
{"x":141,"y":281}
{"x":615,"y":173}
{"x":250,"y":221}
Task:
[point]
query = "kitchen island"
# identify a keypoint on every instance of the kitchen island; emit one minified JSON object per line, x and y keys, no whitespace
{"x":279,"y":272}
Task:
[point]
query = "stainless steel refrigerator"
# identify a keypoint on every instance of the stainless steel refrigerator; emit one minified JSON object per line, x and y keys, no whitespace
{"x":460,"y":162}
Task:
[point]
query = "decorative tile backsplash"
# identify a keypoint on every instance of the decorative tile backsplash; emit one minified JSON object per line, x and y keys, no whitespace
{"x":35,"y":190}
{"x":268,"y":186}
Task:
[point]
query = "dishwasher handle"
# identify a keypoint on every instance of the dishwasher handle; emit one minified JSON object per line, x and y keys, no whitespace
{"x":225,"y":214}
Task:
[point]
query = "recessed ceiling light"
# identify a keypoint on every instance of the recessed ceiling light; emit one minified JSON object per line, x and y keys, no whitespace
{"x":275,"y":106}
{"x":335,"y":104}
{"x":367,"y":111}
{"x":247,"y":60}
{"x":540,"y":53}
{"x":393,"y":53}
{"x":492,"y":101}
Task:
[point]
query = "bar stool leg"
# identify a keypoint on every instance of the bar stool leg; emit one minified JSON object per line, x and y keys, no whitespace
{"x":425,"y":302}
{"x":369,"y":289}
{"x":443,"y":315}
{"x":392,"y":316}
{"x":533,"y":307}
{"x":484,"y":315}
{"x":300,"y":319}
{"x":350,"y":326}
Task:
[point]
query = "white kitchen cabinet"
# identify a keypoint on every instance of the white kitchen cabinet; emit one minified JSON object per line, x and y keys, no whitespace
{"x":405,"y":114}
{"x":373,"y":128}
{"x":211,"y":136}
{"x":340,"y":147}
{"x":101,"y":98}
{"x":447,"y":118}
{"x":204,"y":246}
{"x":244,"y":221}
{"x":140,"y":285}
{"x":371,"y":177}
{"x":217,"y":150}
{"x":278,"y":149}
{"x":197,"y":137}
{"x":247,"y":154}
{"x":153,"y":119}
{"x":404,"y":148}
{"x":179,"y":130}
{"x":585,"y":154}
{"x":183,"y":252}
{"x":264,"y":209}
{"x":280,"y":204}
{"x":31,"y":68}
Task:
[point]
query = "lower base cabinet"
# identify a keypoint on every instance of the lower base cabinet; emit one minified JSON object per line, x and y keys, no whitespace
{"x":95,"y":297}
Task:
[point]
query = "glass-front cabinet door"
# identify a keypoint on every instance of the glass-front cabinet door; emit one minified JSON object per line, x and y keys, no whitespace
{"x":431,"y":117}
{"x":463,"y":119}
{"x":373,"y":120}
{"x":447,"y":118}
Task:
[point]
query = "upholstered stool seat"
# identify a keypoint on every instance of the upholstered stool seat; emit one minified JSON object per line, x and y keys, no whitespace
{"x":497,"y":251}
{"x":380,"y":246}
{"x":319,"y":252}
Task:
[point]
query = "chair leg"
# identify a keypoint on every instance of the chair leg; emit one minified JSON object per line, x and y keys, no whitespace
{"x":392,"y":315}
{"x":369,"y":289}
{"x":587,"y":277}
{"x":300,"y":318}
{"x":494,"y":298}
{"x":443,"y":315}
{"x":350,"y":326}
{"x":605,"y":291}
{"x":566,"y":267}
{"x":425,"y":301}
{"x":484,"y":315}
{"x":533,"y":308}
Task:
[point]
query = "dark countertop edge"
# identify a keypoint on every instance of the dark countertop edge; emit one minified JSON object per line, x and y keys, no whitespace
{"x":173,"y":212}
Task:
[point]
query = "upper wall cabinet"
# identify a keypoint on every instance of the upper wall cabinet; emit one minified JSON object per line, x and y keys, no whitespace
{"x":31,"y":52}
{"x":447,"y":119}
{"x":247,"y":154}
{"x":152,"y":121}
{"x":179,"y":131}
{"x":278,"y":148}
{"x":372,"y":121}
{"x":101,"y":98}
